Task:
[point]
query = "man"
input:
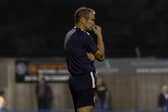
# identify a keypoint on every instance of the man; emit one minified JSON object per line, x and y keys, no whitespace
{"x":44,"y":94}
{"x":102,"y":94}
{"x":81,"y":51}
{"x":163,"y":99}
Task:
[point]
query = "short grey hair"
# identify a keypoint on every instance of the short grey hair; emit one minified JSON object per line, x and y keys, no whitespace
{"x":83,"y":12}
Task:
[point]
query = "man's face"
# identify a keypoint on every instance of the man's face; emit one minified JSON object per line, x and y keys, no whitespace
{"x":88,"y":23}
{"x":165,"y":89}
{"x":40,"y":77}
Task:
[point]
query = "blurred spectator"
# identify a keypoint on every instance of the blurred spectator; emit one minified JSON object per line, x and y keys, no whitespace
{"x":163,"y":99}
{"x":102,"y":94}
{"x":44,"y":94}
{"x":2,"y":102}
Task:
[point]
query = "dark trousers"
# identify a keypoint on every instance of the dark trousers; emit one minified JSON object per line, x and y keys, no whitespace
{"x":44,"y":104}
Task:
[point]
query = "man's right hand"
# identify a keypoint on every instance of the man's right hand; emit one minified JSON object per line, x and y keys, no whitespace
{"x":97,"y":30}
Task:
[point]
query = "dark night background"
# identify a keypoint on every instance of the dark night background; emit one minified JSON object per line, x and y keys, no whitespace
{"x":36,"y":28}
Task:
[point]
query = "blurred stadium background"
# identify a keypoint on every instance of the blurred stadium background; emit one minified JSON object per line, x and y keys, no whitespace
{"x":135,"y":36}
